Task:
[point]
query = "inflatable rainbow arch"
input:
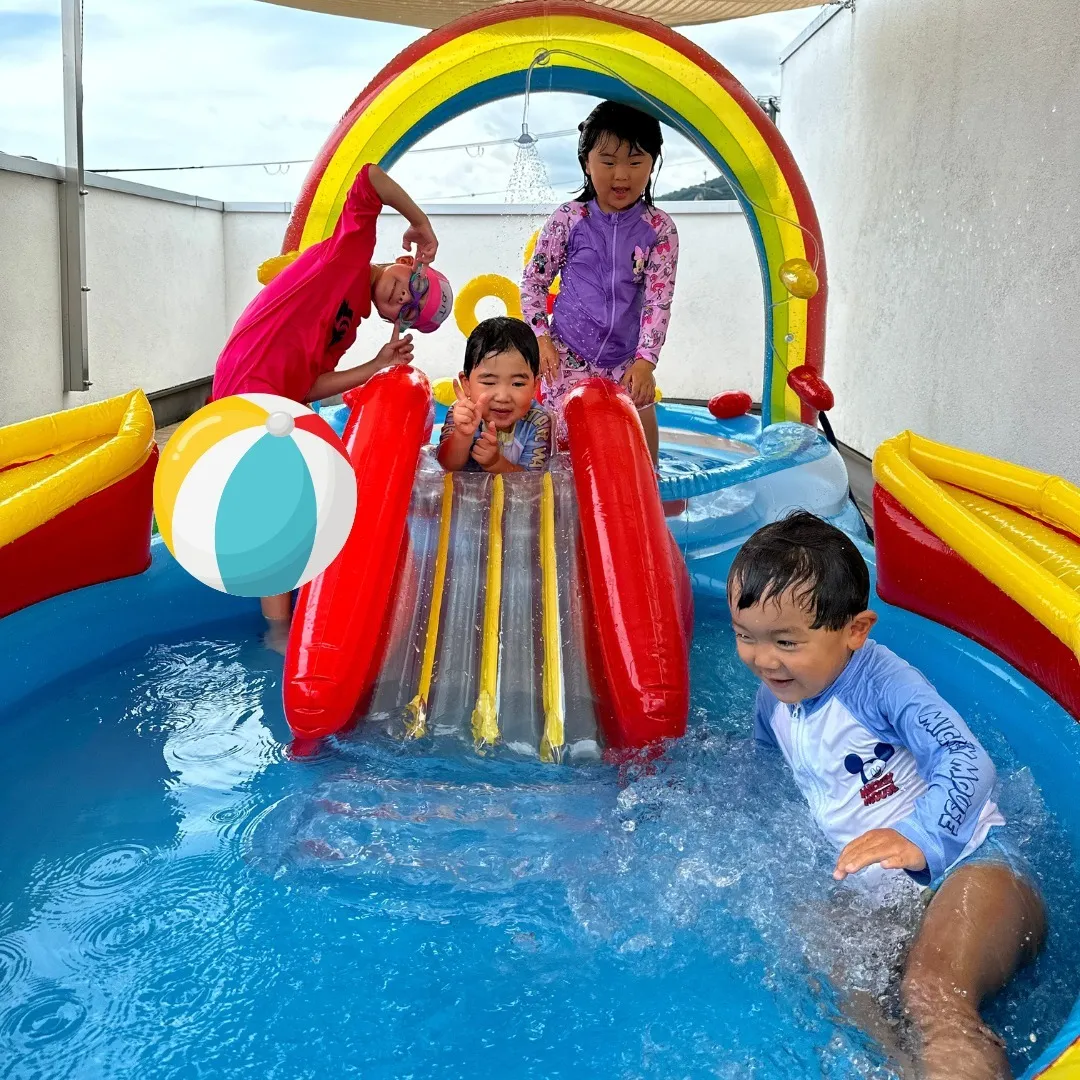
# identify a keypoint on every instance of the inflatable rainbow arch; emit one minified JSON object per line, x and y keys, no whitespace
{"x":588,"y":50}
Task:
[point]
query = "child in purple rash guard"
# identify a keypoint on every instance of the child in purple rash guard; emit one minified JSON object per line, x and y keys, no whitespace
{"x":617,"y":254}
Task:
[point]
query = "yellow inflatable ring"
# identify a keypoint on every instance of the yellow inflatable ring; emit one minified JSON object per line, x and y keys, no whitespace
{"x":502,"y":288}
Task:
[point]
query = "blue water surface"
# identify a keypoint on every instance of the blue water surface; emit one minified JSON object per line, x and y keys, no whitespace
{"x":182,"y":898}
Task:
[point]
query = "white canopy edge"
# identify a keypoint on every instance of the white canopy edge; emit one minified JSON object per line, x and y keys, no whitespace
{"x":432,"y":13}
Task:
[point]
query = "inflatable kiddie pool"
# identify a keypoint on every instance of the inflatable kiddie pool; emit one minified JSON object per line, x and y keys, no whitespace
{"x":197,"y":892}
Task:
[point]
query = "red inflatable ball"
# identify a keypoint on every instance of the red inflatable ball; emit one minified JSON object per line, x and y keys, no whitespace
{"x":729,"y":404}
{"x":812,"y":389}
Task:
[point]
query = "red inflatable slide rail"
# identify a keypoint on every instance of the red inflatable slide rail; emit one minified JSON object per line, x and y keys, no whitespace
{"x":639,"y":590}
{"x":339,"y":628}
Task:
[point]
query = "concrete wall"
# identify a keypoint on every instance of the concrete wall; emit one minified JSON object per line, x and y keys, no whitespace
{"x":157,"y":303}
{"x":939,"y":140}
{"x":169,"y":274}
{"x":31,"y":373}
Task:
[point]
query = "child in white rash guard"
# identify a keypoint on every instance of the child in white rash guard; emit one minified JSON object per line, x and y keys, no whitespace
{"x":893,"y":776}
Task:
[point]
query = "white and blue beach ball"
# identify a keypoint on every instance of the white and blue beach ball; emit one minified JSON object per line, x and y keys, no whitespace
{"x":254,"y":495}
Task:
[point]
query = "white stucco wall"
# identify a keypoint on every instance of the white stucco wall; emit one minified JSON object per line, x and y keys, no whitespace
{"x":168,"y":279}
{"x":156,"y":308}
{"x":31,"y":373}
{"x":939,"y":141}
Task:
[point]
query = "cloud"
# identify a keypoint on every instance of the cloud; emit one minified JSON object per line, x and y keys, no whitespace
{"x":214,"y":81}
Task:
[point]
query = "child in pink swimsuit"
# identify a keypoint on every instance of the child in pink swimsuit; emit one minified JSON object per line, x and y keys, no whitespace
{"x":618,"y":255}
{"x":291,"y":337}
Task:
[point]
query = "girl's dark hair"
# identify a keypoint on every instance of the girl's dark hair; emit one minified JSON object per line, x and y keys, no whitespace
{"x":499,"y":335}
{"x":808,"y":557}
{"x":638,"y":130}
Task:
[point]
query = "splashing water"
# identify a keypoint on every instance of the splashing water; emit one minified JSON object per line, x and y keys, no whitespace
{"x":192,"y":900}
{"x":529,"y":181}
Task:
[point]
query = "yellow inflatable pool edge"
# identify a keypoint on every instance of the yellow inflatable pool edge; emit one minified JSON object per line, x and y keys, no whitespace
{"x":118,"y":435}
{"x":918,"y":472}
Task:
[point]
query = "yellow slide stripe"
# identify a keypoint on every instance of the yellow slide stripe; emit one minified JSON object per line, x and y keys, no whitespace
{"x":485,"y":717}
{"x":908,"y":467}
{"x":551,"y":745}
{"x":417,"y":725}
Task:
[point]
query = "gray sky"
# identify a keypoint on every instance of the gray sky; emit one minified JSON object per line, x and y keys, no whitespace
{"x":178,"y":82}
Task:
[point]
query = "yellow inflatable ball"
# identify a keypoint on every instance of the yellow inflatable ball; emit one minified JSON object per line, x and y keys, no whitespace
{"x":798,"y":277}
{"x":443,"y":392}
{"x":272,"y":267}
{"x":502,"y":288}
{"x":657,"y":396}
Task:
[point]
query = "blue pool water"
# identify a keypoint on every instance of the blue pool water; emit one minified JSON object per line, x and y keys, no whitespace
{"x":180,"y":898}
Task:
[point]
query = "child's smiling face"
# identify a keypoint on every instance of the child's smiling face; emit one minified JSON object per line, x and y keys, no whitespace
{"x":777,"y":641}
{"x":619,"y":173}
{"x":510,"y":382}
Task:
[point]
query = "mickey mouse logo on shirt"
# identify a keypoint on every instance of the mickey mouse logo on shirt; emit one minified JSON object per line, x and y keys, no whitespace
{"x":877,"y":784}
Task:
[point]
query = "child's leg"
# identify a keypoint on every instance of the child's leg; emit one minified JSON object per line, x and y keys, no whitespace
{"x":652,"y":433}
{"x":277,"y":610}
{"x":984,"y":922}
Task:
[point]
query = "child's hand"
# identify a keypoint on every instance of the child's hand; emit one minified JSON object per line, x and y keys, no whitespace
{"x":485,"y":451}
{"x":468,"y":413}
{"x":549,"y":358}
{"x":398,"y":350}
{"x":884,"y":846}
{"x":641,"y":383}
{"x":423,"y":236}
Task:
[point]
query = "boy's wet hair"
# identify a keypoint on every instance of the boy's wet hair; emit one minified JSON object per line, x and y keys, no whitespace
{"x":499,"y":335}
{"x":638,"y":130}
{"x":808,"y":557}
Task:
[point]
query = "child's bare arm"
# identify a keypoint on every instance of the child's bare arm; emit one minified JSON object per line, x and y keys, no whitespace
{"x":884,"y":846}
{"x":454,"y":451}
{"x":395,"y":196}
{"x":331,"y":383}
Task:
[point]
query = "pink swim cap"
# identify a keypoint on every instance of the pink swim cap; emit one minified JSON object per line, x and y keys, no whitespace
{"x":436,"y":304}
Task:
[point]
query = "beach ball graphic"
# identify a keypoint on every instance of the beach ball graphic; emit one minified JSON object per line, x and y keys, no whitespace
{"x":254,"y":495}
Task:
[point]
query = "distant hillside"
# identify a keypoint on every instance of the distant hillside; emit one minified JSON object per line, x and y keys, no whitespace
{"x":710,"y":191}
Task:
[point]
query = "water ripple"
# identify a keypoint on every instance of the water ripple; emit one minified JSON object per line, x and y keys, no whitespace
{"x":48,"y":1014}
{"x":111,"y":932}
{"x":14,"y":963}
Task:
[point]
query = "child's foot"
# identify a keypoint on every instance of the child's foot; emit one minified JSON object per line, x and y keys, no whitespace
{"x":277,"y":635}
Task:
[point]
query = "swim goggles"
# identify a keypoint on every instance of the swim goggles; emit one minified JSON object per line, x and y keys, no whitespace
{"x":418,"y":289}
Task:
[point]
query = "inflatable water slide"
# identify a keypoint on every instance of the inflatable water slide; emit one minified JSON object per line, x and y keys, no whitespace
{"x":549,"y":612}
